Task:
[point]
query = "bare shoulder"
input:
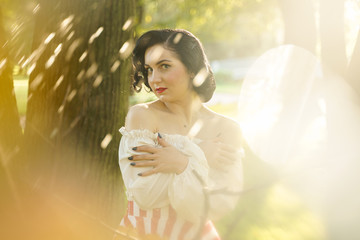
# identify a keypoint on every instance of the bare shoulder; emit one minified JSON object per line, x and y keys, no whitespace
{"x":140,"y":116}
{"x":226,"y":128}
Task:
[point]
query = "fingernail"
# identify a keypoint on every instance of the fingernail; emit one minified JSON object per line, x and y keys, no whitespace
{"x":139,"y":174}
{"x":130,"y":158}
{"x":134,"y":148}
{"x":132,"y":164}
{"x":159,"y":135}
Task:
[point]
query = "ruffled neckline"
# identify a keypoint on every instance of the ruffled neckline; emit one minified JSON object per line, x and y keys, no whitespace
{"x":147,"y":133}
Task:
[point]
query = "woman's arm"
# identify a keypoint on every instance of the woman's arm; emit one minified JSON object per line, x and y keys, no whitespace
{"x":150,"y":192}
{"x":224,"y":155}
{"x":173,"y":180}
{"x":183,"y":165}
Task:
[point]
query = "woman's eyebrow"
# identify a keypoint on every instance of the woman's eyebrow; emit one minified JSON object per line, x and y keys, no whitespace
{"x":159,"y":62}
{"x":163,"y":60}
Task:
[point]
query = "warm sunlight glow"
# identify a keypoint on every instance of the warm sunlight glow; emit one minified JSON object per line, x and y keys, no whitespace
{"x":98,"y":81}
{"x":96,"y":35}
{"x":115,"y":66}
{"x":83,"y":56}
{"x":49,"y":38}
{"x":126,"y":49}
{"x":105,"y":142}
{"x":200,"y":77}
{"x":58,"y":82}
{"x":128,"y":24}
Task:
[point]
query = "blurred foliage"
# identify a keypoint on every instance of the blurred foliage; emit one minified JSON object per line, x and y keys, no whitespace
{"x":227,"y":28}
{"x":271,"y":213}
{"x":223,"y":76}
{"x":19,"y":24}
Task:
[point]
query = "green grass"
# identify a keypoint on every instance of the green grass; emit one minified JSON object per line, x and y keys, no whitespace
{"x":230,"y":87}
{"x":21,"y":89}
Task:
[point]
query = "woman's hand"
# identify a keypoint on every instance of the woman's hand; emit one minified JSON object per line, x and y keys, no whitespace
{"x":166,"y":159}
{"x":218,"y":154}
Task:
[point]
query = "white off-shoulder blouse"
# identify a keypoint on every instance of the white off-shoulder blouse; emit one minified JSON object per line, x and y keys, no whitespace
{"x":182,"y":192}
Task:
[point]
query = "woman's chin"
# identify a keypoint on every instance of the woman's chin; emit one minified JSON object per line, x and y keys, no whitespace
{"x":163,"y":97}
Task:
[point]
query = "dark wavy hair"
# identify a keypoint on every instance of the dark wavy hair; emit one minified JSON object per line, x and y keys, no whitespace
{"x":189,"y":51}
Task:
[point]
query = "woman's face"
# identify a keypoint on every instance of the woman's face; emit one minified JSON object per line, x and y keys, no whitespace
{"x":167,"y":75}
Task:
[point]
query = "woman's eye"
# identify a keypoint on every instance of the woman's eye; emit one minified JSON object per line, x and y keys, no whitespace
{"x":165,"y":66}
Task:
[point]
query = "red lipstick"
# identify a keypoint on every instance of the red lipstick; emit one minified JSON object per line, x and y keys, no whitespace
{"x":160,"y":89}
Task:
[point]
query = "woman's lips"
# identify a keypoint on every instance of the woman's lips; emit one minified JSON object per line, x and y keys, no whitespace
{"x":160,"y":90}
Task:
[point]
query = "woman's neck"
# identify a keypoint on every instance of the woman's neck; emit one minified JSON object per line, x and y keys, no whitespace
{"x":187,"y":110}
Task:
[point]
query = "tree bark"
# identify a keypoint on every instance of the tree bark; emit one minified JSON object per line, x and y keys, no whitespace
{"x":10,"y":136}
{"x":78,"y":99}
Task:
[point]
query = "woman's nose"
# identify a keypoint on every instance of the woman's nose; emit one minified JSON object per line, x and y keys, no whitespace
{"x":155,"y":77}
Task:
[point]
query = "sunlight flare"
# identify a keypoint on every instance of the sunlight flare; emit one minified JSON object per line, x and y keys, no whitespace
{"x":58,"y":49}
{"x":36,"y":9}
{"x":115,"y":66}
{"x":200,"y":77}
{"x":91,"y":70}
{"x":36,"y":82}
{"x":96,"y":35}
{"x":50,"y":62}
{"x":58,"y":82}
{"x":2,"y":63}
{"x":195,"y":129}
{"x":105,"y":142}
{"x":80,"y":75}
{"x":49,"y":38}
{"x":128,"y":24}
{"x":83,"y":56}
{"x":98,"y":81}
{"x":31,"y":69}
{"x":66,"y":23}
{"x":71,"y":95}
{"x":76,"y":43}
{"x":60,"y":109}
{"x":126,"y":49}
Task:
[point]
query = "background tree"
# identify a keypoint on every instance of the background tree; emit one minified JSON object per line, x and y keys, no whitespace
{"x":10,"y":130}
{"x":301,"y":29}
{"x":77,"y":101}
{"x":329,"y":38}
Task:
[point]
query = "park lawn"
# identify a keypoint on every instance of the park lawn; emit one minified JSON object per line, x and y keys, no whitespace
{"x":21,"y":91}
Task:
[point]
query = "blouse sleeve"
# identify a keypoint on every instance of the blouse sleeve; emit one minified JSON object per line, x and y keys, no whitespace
{"x":225,"y":187}
{"x":182,"y":191}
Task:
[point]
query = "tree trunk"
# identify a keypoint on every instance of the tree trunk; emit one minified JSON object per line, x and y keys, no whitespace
{"x":353,"y":70}
{"x":10,"y":137}
{"x":299,"y":23}
{"x":332,"y":35}
{"x":78,"y":99}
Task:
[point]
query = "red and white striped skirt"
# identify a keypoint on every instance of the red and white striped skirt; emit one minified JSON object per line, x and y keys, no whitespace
{"x":165,"y":223}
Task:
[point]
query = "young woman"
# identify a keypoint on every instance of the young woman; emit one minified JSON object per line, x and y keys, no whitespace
{"x":180,"y":161}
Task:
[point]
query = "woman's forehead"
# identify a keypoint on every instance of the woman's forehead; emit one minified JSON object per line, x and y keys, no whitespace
{"x":157,"y":53}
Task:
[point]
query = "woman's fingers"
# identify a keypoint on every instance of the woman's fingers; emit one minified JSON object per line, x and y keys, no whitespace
{"x":148,"y":173}
{"x":145,"y":148}
{"x":162,"y":141}
{"x":231,"y":156}
{"x":141,"y":157}
{"x":144,"y":164}
{"x":227,"y":147}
